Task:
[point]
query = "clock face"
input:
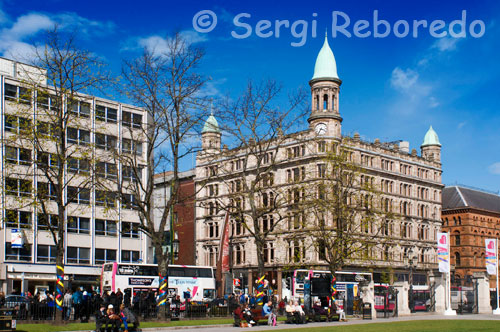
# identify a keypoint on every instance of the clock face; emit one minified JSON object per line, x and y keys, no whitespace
{"x":320,"y":128}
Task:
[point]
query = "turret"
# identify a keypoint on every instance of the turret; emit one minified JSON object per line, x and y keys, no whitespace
{"x":211,"y":135}
{"x":325,"y":117}
{"x":431,"y":148}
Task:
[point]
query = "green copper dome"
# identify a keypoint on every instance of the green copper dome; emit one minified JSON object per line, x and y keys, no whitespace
{"x":211,"y":125}
{"x":431,"y":138}
{"x":326,"y":66}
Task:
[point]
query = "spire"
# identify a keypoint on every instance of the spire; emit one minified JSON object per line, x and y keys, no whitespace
{"x":326,"y":66}
{"x":431,"y":138}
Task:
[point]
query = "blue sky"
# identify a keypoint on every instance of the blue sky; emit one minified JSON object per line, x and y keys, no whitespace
{"x":393,"y":88}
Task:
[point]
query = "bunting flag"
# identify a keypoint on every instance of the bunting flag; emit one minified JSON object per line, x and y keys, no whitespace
{"x":162,"y":290}
{"x":59,"y":287}
{"x":261,"y":285}
{"x":333,"y":287}
{"x":443,"y":252}
{"x":223,"y":262}
{"x":491,"y":256}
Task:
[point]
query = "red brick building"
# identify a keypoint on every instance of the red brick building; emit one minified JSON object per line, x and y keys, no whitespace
{"x":183,"y":224}
{"x":470,"y":216}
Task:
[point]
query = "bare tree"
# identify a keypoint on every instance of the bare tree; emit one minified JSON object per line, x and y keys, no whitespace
{"x":169,"y":89}
{"x":347,"y":213}
{"x":55,"y":115}
{"x":257,"y":129}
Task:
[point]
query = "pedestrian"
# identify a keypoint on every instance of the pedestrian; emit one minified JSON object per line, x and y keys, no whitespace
{"x":77,"y":303}
{"x":119,"y":297}
{"x":67,"y":304}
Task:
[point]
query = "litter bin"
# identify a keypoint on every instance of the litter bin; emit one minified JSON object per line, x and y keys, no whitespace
{"x":367,"y":310}
{"x":7,"y":319}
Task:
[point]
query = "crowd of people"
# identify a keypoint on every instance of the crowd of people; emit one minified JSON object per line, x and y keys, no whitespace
{"x":247,"y":312}
{"x":79,"y":304}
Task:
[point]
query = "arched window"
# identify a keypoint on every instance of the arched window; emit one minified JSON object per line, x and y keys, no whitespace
{"x":457,"y":238}
{"x":325,"y":102}
{"x":457,"y":259}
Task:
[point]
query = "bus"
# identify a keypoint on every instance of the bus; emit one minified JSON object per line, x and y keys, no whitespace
{"x":196,"y":283}
{"x":384,"y":300}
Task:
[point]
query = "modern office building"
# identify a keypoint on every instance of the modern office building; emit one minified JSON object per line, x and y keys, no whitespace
{"x":410,"y":184}
{"x":98,"y":228}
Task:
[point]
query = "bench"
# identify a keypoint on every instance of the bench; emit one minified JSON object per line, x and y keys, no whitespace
{"x":330,"y":317}
{"x":256,"y":316}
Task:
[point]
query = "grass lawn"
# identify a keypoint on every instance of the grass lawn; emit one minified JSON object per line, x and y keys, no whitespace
{"x":412,"y":326}
{"x":91,"y":326}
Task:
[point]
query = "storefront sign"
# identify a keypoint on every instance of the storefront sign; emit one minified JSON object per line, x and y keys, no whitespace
{"x":140,"y":281}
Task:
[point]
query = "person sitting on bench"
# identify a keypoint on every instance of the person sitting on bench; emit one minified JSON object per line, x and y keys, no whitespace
{"x":290,"y":312}
{"x":247,"y":314}
{"x":339,"y":311}
{"x":267,"y":311}
{"x":101,"y":319}
{"x":299,"y":313}
{"x":318,"y":309}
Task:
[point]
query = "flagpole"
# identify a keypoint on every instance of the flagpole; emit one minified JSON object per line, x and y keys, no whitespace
{"x":449,"y":311}
{"x":497,"y":310}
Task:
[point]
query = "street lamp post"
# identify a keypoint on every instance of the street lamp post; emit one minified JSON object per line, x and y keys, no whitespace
{"x":409,"y":259}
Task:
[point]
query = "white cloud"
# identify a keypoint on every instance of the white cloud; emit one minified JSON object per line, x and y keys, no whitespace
{"x":433,"y":102}
{"x":403,"y":80}
{"x":445,"y":44}
{"x":414,"y":94}
{"x":494,"y":168}
{"x":14,"y":39}
{"x":159,"y":44}
{"x":211,"y":88}
{"x":83,"y":26}
{"x":461,"y":124}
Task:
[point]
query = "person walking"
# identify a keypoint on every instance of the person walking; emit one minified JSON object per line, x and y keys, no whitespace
{"x":77,"y":302}
{"x":67,"y":304}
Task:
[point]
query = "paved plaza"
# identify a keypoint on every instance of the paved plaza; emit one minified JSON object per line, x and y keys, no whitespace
{"x":352,"y":321}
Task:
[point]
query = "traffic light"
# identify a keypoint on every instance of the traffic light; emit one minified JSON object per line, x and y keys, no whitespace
{"x":288,"y":283}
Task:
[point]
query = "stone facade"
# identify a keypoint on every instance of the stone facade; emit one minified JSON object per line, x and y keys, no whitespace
{"x":410,"y":183}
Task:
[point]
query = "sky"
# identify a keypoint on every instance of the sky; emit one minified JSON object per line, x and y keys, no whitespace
{"x":394,"y":87}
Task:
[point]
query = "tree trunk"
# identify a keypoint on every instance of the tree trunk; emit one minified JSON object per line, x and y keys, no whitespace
{"x":260,"y":258}
{"x":162,"y":274}
{"x":59,"y":293}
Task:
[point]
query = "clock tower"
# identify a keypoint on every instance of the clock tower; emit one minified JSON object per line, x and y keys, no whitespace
{"x":325,"y":117}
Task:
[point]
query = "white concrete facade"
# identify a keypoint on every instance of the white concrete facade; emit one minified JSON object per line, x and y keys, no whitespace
{"x":99,"y":235}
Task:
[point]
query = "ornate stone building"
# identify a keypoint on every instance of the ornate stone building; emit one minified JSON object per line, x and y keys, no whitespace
{"x":410,"y":183}
{"x":470,"y":216}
